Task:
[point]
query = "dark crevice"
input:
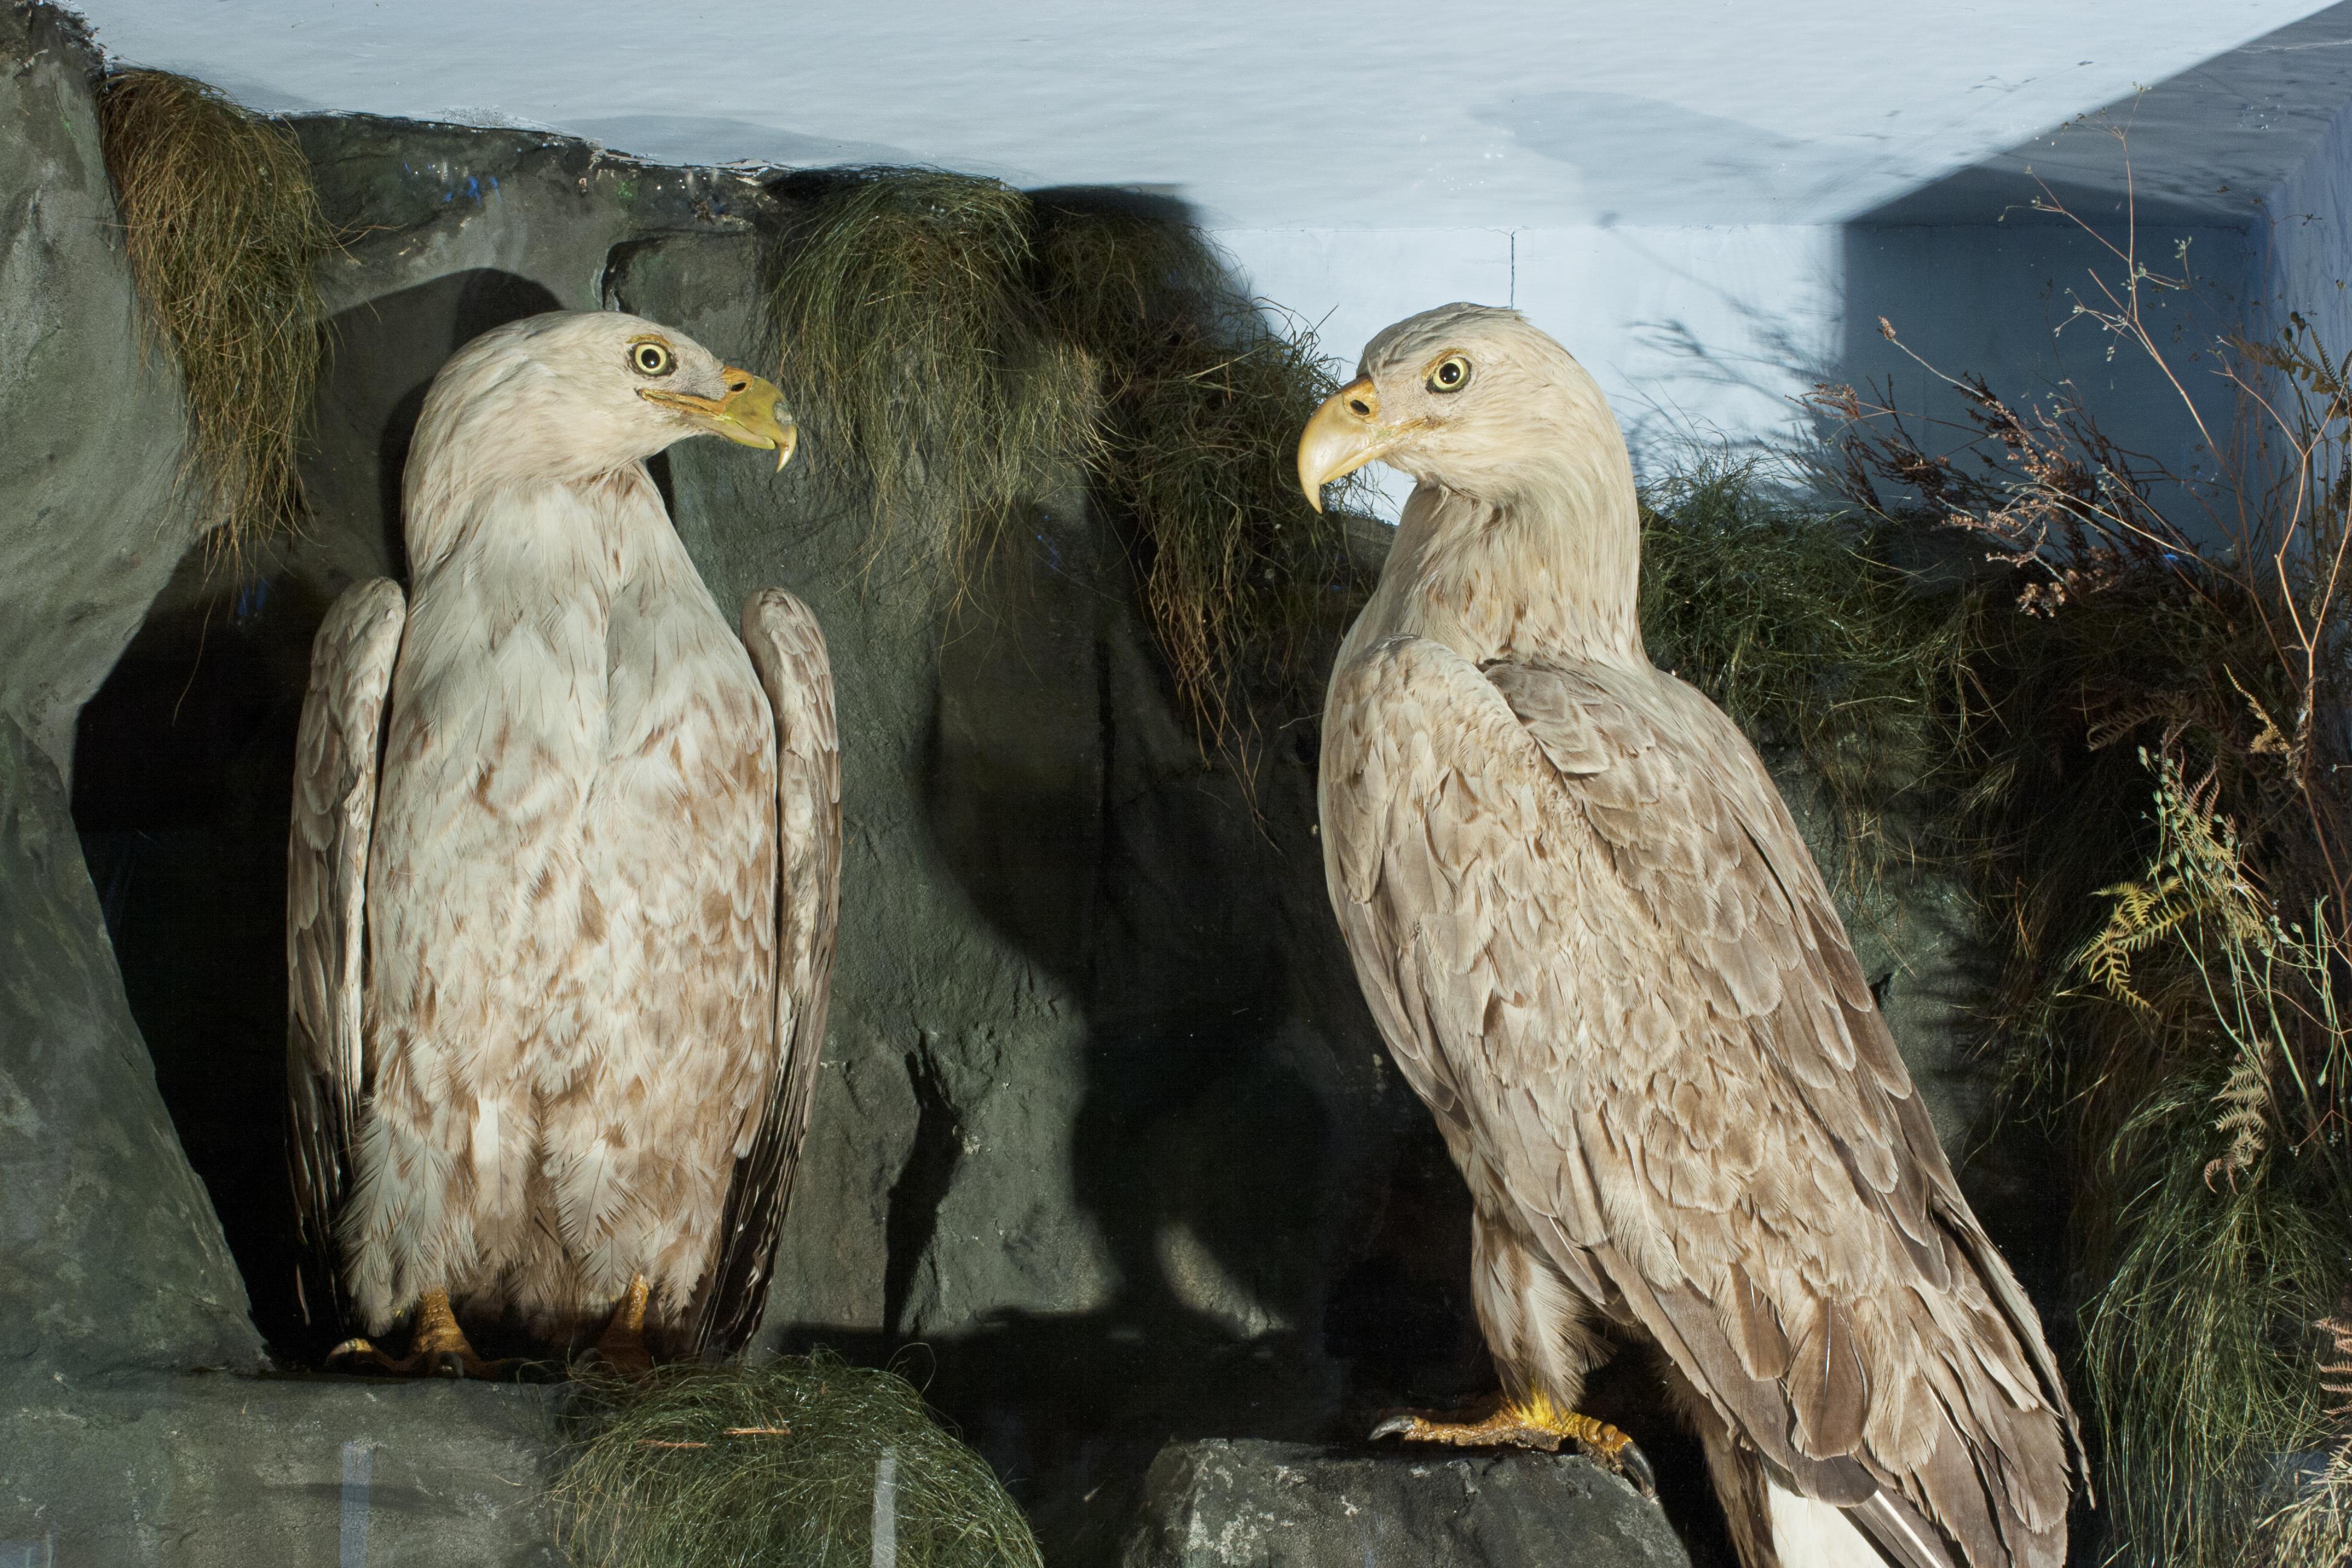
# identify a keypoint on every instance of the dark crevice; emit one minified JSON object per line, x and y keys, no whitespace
{"x":923,"y":1183}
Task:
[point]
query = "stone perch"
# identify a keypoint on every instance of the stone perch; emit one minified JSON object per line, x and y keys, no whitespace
{"x":1224,"y":1503}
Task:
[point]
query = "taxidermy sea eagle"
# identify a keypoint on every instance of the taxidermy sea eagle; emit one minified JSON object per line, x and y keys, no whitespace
{"x":562,"y":876}
{"x":1599,"y":950}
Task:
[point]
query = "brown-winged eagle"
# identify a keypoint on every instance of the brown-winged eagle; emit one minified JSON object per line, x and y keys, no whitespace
{"x":1599,"y":950}
{"x":562,"y":875}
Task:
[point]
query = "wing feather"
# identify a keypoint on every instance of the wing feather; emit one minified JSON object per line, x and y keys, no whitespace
{"x":338,"y":757}
{"x":787,"y":648}
{"x":1595,"y":942}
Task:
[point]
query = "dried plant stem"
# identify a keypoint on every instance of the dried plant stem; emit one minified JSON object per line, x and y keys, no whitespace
{"x":2186,"y":1037}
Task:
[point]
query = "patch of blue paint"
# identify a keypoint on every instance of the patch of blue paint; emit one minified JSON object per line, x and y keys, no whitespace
{"x":359,"y":1470}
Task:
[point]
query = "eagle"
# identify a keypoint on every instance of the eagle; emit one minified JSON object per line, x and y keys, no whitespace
{"x":1597,"y":949}
{"x":562,"y":876}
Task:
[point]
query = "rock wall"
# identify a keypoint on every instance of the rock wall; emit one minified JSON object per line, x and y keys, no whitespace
{"x":114,"y":1256}
{"x":151,"y":1470}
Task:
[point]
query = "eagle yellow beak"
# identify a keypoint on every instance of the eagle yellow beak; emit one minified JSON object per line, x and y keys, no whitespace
{"x":752,"y":414}
{"x":1345,"y":434}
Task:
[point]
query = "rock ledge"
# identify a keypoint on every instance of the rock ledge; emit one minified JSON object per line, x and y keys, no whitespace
{"x":1223,"y":1503}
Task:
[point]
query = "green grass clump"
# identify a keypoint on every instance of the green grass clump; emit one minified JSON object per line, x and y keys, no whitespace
{"x":222,"y":224}
{"x":1789,"y":615}
{"x":2200,"y":1349}
{"x":779,"y":1465}
{"x":2230,"y":1244}
{"x":964,"y":351}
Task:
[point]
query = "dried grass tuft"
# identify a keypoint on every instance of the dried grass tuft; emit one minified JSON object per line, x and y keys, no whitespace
{"x":222,"y":227}
{"x":963,"y":350}
{"x":912,"y":350}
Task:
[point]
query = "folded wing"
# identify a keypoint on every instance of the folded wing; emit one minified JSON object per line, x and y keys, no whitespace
{"x":787,"y":650}
{"x":338,"y":757}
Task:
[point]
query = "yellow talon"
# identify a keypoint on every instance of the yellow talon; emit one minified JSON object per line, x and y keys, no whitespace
{"x":437,"y":1345}
{"x":1532,"y":1421}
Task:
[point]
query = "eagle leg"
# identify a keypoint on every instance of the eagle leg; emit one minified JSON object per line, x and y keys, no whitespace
{"x":621,"y":1345}
{"x":438,"y":1346}
{"x":1532,"y":1423}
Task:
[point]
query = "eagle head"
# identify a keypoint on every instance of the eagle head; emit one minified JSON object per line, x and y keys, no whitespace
{"x":576,"y":394}
{"x":1471,"y":397}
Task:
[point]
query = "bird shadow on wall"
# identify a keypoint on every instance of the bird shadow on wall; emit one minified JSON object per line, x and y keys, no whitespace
{"x":183,"y":778}
{"x":1207,"y":1155}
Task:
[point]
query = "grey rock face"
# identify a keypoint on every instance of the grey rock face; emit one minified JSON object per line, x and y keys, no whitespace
{"x":89,"y":395}
{"x":164,"y":1471}
{"x":113,"y":1254}
{"x":1221,"y":1504}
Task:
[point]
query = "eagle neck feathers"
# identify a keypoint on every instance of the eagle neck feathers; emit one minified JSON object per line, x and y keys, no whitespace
{"x":1522,"y":542}
{"x":1546,"y":574}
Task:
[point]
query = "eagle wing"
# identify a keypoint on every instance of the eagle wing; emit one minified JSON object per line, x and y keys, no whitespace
{"x":337,"y":757}
{"x":787,"y":650}
{"x":1597,"y":947}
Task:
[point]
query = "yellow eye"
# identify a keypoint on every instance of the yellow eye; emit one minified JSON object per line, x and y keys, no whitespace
{"x":651,"y":356}
{"x":1451,"y":374}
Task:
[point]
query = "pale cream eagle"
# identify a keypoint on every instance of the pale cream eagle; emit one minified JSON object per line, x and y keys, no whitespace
{"x":1598,"y":948}
{"x":562,"y":876}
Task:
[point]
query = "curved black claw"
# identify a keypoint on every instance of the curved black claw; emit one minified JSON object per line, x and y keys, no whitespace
{"x":1395,"y":1426}
{"x":1634,"y":1465}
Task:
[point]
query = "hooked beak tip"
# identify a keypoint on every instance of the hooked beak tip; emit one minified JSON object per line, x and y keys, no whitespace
{"x":1344,"y":434}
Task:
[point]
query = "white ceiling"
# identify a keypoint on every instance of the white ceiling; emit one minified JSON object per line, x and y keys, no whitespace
{"x":1270,"y":114}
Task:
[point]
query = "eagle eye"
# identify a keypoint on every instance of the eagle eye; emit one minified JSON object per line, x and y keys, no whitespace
{"x":1452,"y":373}
{"x":651,"y":356}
